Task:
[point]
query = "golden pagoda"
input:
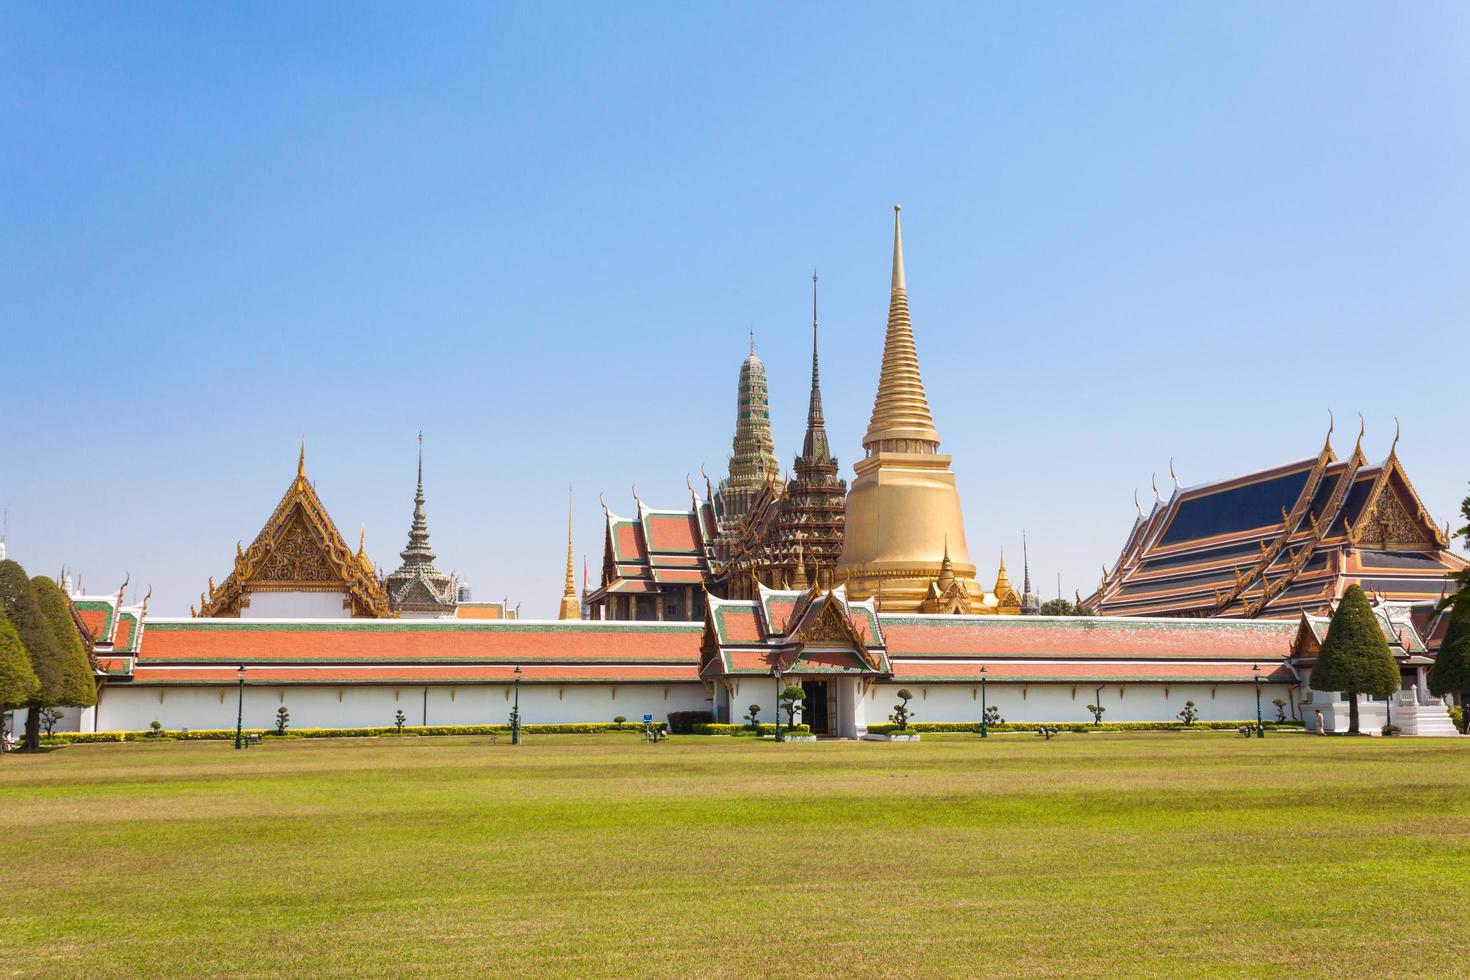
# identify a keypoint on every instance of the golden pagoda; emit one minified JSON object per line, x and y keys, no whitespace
{"x":571,"y":606}
{"x":904,"y":528}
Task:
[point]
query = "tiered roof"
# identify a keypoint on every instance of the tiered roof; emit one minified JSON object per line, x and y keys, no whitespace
{"x":811,"y":632}
{"x":657,"y":548}
{"x":418,"y":586}
{"x":1281,"y":541}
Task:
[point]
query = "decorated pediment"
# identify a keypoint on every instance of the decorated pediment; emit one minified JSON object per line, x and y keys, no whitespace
{"x":1394,"y":518}
{"x":953,"y":601}
{"x":299,"y":547}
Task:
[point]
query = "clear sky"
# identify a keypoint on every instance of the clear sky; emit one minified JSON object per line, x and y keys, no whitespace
{"x":541,"y":233}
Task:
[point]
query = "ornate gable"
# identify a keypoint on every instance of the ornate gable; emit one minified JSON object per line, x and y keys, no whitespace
{"x":299,"y":549}
{"x":1393,"y":518}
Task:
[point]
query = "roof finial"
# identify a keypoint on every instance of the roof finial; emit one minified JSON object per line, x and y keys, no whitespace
{"x":1394,"y":448}
{"x":1331,"y":424}
{"x":1154,"y":479}
{"x":1362,"y":427}
{"x":752,"y":341}
{"x":1136,"y":505}
{"x":1172,"y":474}
{"x":301,"y":460}
{"x":362,"y":539}
{"x":421,"y":460}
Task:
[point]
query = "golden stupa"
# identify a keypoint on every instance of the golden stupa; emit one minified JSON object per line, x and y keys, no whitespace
{"x":571,"y":606}
{"x":904,"y":526}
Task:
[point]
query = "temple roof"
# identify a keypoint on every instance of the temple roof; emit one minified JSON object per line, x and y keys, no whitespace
{"x":803,"y":632}
{"x":1280,"y":541}
{"x":417,"y":585}
{"x":299,"y":548}
{"x":658,"y":547}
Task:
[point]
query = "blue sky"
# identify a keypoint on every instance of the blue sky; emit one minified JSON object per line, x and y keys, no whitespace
{"x":541,"y":233}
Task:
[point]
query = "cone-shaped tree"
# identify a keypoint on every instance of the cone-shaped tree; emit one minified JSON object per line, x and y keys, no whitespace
{"x":1355,"y":658}
{"x":1451,"y":671}
{"x":18,"y":602}
{"x":68,"y":679}
{"x":18,"y":683}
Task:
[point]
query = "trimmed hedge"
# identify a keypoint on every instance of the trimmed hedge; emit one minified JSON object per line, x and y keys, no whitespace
{"x":1078,"y":726}
{"x":218,"y":734}
{"x":683,"y":722}
{"x":767,"y":729}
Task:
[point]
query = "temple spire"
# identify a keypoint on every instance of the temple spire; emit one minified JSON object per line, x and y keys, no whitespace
{"x":570,"y":608}
{"x":901,"y":421}
{"x":418,"y":551}
{"x":814,"y":446}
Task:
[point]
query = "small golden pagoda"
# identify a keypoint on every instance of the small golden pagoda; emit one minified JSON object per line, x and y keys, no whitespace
{"x":299,"y":566}
{"x":571,"y":606}
{"x":904,"y":529}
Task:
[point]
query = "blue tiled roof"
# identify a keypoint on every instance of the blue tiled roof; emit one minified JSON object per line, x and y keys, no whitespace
{"x":1236,"y":509}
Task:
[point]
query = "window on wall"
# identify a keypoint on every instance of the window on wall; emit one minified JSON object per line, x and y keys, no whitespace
{"x":674,"y":604}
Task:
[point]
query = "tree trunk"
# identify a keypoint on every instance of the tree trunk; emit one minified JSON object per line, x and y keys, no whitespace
{"x":1353,"y":714}
{"x":33,"y":730}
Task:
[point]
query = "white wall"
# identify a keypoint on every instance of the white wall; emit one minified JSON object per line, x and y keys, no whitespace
{"x":1057,"y":702}
{"x":126,"y":708}
{"x":296,"y":605}
{"x":129,"y":708}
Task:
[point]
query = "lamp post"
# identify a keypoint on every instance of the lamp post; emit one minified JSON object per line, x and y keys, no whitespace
{"x":240,"y":713}
{"x":515,"y":714}
{"x":1256,"y":674}
{"x":776,"y":670}
{"x":984,"y":720}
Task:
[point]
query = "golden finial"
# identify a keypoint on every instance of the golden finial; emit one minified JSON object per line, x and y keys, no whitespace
{"x":603,"y":501}
{"x":1331,"y":424}
{"x":146,"y":597}
{"x":570,"y":607}
{"x":1394,"y":448}
{"x":1154,"y":481}
{"x":361,"y":540}
{"x":1136,"y":505}
{"x":1172,"y":475}
{"x":1362,"y":427}
{"x":898,"y":282}
{"x":901,"y":421}
{"x":301,"y":460}
{"x":239,"y":553}
{"x":192,"y":613}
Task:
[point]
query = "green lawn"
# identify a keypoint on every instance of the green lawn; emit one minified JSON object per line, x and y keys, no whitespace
{"x":1095,"y":854}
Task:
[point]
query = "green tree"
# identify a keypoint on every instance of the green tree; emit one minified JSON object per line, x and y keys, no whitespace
{"x":901,"y":713}
{"x":1451,"y":671}
{"x":283,"y":719}
{"x":18,"y":682}
{"x":71,"y":681}
{"x":1061,"y":607}
{"x":18,"y":602}
{"x":1459,"y":600}
{"x":1355,"y":658}
{"x":791,"y":699}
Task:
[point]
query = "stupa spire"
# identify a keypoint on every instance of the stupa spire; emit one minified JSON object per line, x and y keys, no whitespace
{"x":418,"y":551}
{"x":753,"y":450}
{"x":814,"y":446}
{"x":570,"y":608}
{"x":901,"y":421}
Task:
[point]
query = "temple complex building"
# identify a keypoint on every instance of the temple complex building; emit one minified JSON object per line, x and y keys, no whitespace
{"x":904,"y":537}
{"x":418,"y":590}
{"x":299,"y":567}
{"x":1280,"y":542}
{"x":791,"y":537}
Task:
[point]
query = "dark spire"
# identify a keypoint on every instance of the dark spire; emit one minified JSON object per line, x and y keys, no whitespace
{"x":418,"y":533}
{"x":814,"y":446}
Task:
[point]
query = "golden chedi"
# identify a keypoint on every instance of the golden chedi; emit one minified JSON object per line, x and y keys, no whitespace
{"x":904,"y":528}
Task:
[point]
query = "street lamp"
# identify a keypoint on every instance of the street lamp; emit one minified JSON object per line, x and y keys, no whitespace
{"x":1256,"y":674}
{"x":776,"y":670}
{"x":515,"y":714}
{"x":240,"y":714}
{"x":984,"y":722}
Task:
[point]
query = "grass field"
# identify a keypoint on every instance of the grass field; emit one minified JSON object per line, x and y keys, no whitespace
{"x":1096,"y":854}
